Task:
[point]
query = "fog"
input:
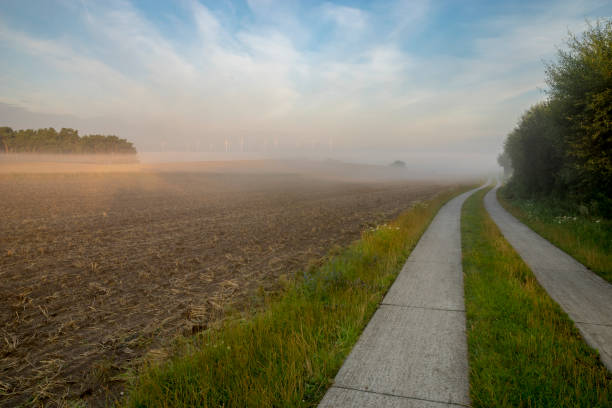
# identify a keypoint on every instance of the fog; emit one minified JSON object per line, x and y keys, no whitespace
{"x":468,"y":158}
{"x":457,"y":158}
{"x":353,"y":168}
{"x":361,"y":83}
{"x":417,"y":164}
{"x":474,"y":156}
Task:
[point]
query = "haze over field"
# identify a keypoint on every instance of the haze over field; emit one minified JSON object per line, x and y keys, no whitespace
{"x":429,"y":82}
{"x":214,"y":202}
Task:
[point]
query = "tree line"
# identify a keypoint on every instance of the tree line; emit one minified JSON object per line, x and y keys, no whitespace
{"x":562,"y":147}
{"x":48,"y":140}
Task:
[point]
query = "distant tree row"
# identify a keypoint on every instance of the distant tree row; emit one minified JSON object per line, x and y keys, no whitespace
{"x":48,"y":140}
{"x":562,"y":147}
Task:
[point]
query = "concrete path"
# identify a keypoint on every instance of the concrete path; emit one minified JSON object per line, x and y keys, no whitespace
{"x":413,"y":353}
{"x":584,"y":296}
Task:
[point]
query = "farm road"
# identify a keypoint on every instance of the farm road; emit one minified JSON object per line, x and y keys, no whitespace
{"x":584,"y":296}
{"x":413,"y":352}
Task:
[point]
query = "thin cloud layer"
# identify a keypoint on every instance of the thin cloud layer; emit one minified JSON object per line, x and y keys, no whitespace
{"x":396,"y":75}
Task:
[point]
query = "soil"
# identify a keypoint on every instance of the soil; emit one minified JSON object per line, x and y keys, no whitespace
{"x":97,"y":270}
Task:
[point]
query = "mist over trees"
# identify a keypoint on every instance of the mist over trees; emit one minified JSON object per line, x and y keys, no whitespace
{"x":562,"y":147}
{"x":66,"y":141}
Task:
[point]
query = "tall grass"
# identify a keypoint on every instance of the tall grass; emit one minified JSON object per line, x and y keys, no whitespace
{"x":523,"y":349}
{"x":586,"y":238}
{"x":288,"y":353}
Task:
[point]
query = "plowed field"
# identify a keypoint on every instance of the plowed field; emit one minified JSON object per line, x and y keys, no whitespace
{"x":97,"y":269}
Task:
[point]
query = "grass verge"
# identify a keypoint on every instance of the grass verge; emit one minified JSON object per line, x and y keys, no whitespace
{"x":586,"y":238}
{"x":523,"y":349}
{"x":287,"y":354}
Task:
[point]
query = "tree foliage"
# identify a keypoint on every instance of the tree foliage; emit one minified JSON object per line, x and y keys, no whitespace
{"x":562,"y":147}
{"x":506,"y":163}
{"x":48,"y":140}
{"x":536,"y":155}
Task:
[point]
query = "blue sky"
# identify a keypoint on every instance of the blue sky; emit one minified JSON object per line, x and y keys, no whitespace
{"x":382,"y":75}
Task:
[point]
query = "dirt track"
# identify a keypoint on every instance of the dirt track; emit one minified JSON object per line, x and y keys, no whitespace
{"x":96,"y":269}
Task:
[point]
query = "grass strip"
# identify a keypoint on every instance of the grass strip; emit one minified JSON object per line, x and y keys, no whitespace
{"x":288,"y":353}
{"x":524,"y":351}
{"x":586,"y":238}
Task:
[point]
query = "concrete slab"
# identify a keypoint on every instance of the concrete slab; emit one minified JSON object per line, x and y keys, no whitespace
{"x":428,"y":284}
{"x":585,"y":297}
{"x":598,"y":336}
{"x":413,"y":352}
{"x":435,"y":249}
{"x":341,"y":397}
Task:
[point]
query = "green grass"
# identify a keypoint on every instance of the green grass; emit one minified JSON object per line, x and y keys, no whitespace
{"x":586,"y":238}
{"x":523,"y":349}
{"x":287,"y":354}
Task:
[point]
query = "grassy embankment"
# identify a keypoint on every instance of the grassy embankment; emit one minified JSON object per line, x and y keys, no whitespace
{"x":287,"y":353}
{"x":523,"y":349}
{"x":586,"y":238}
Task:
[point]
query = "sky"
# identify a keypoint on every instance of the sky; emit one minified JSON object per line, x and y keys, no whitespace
{"x":283,"y":75}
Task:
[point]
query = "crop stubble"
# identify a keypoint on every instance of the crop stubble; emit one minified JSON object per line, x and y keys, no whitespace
{"x":95,"y":269}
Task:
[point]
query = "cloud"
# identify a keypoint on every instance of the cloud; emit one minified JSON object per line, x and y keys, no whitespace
{"x":77,"y":68}
{"x":347,"y":18}
{"x":278,"y":71}
{"x":409,"y":16}
{"x":207,"y":24}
